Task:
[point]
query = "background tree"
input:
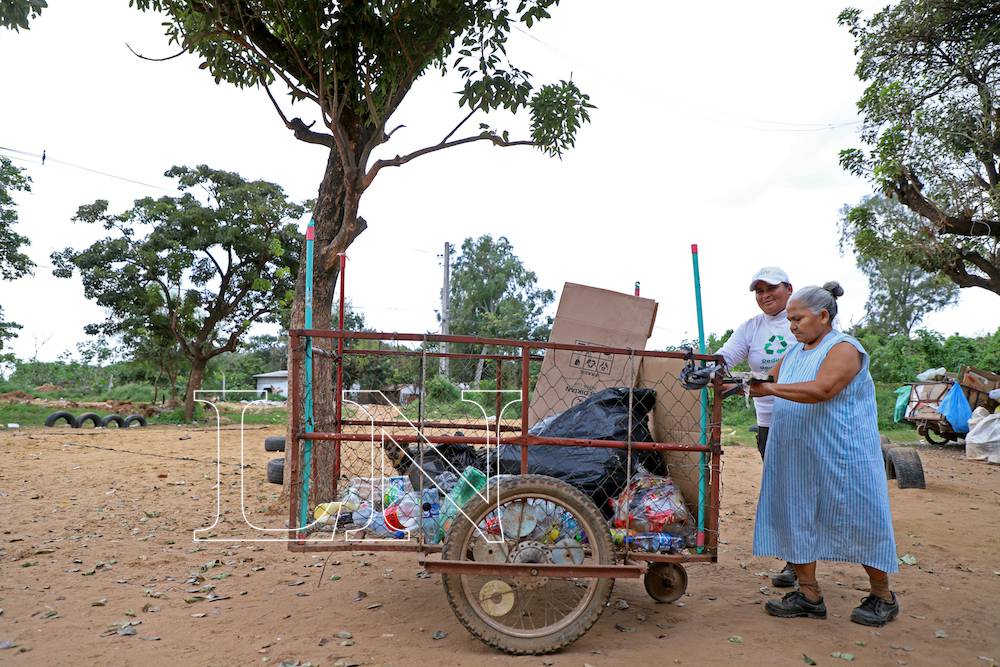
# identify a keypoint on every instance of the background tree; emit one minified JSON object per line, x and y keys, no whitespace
{"x":900,"y":294}
{"x":16,"y":14}
{"x":13,"y":262}
{"x":204,"y":272}
{"x":354,"y":63}
{"x":932,"y":128}
{"x":494,"y":296}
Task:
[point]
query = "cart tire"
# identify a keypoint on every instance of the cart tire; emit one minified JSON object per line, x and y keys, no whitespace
{"x":578,"y":621}
{"x":91,"y":417}
{"x":906,"y":468}
{"x":276,"y":471}
{"x":135,"y":419}
{"x":665,"y":582}
{"x":113,"y":419}
{"x":931,"y":439}
{"x":56,"y":416}
{"x":274,"y":443}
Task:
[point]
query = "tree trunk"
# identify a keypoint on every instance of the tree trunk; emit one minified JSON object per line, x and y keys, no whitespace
{"x":479,"y":368}
{"x":193,"y":384}
{"x":337,"y":225}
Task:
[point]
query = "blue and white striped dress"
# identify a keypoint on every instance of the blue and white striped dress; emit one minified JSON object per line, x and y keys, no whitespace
{"x":824,"y":494}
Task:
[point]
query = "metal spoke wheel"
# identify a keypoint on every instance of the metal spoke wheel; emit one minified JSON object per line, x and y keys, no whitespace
{"x":534,"y":519}
{"x":665,"y":582}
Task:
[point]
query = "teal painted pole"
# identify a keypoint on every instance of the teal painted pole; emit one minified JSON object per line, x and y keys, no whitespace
{"x":703,"y":434}
{"x":310,"y":425}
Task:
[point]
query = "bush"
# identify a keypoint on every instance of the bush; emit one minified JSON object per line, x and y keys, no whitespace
{"x":440,"y":390}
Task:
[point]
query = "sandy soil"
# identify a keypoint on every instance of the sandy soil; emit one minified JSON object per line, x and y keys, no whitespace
{"x":96,"y":531}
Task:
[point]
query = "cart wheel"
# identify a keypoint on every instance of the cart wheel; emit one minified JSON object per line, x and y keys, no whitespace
{"x":543,"y":520}
{"x":906,"y":468}
{"x":665,"y":582}
{"x":934,"y":441}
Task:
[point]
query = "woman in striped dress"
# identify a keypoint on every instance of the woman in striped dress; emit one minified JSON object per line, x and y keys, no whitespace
{"x":824,"y":494}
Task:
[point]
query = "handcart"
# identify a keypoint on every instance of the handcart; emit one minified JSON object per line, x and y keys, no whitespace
{"x":923,"y":408}
{"x":528,"y":561}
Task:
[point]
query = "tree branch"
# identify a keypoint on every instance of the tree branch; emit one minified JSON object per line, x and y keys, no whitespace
{"x":401,"y":160}
{"x":155,"y":60}
{"x":907,"y":190}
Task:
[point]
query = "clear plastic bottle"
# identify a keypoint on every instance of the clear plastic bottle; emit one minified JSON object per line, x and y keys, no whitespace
{"x":471,"y":481}
{"x":657,"y":542}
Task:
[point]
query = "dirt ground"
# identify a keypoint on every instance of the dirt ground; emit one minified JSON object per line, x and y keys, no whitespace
{"x":97,"y":532}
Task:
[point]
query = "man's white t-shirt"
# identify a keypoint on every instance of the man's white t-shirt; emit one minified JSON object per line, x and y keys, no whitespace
{"x":762,"y":341}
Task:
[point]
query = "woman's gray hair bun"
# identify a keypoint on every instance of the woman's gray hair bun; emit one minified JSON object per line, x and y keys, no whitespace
{"x":834,"y":288}
{"x":818,"y":299}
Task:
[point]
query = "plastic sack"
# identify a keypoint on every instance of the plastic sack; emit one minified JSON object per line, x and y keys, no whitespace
{"x":902,"y":401}
{"x":652,"y":504}
{"x":932,"y":374}
{"x":955,"y":408}
{"x":599,"y":472}
{"x":983,"y":441}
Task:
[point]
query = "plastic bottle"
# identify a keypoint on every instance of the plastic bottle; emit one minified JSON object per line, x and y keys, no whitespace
{"x":657,"y":542}
{"x":471,"y":481}
{"x":430,"y":516}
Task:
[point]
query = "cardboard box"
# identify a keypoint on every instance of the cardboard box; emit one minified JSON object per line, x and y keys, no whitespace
{"x":675,"y":418}
{"x":591,"y":316}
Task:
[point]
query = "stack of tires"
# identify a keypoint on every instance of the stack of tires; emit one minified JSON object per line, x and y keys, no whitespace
{"x":275,"y":467}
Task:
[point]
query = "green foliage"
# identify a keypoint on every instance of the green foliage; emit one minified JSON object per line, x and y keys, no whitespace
{"x":932,"y":134}
{"x":201,"y":276}
{"x":440,"y":390}
{"x":13,"y":262}
{"x":900,"y":293}
{"x":16,"y":14}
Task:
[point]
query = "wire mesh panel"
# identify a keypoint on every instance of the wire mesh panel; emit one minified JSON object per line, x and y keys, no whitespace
{"x":417,"y":449}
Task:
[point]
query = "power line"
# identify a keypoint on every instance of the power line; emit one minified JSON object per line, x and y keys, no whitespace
{"x":39,"y":156}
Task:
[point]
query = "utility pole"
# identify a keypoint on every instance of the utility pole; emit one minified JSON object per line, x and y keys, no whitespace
{"x":446,"y":305}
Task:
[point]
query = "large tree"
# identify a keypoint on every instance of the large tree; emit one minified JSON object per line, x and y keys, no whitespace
{"x":17,"y":14}
{"x":13,"y":263}
{"x":353,"y":62}
{"x":932,"y":128}
{"x":204,"y":272}
{"x":493,"y":295}
{"x":900,"y":293}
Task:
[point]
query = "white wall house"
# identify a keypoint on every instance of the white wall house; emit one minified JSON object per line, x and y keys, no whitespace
{"x":275,"y":383}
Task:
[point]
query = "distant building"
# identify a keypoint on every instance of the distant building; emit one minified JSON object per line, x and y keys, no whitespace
{"x":274,"y":383}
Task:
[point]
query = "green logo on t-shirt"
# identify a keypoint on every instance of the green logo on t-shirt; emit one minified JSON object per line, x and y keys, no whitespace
{"x":776,"y":345}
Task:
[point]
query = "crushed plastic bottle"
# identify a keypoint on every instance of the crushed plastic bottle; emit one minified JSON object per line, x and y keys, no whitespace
{"x":657,"y":542}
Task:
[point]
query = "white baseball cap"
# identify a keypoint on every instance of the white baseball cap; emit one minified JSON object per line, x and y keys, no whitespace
{"x":772,"y":275}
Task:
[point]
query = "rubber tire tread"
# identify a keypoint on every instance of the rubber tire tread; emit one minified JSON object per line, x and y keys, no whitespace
{"x":92,"y":417}
{"x":117,"y":419}
{"x":276,"y":471}
{"x":908,"y":469}
{"x":56,"y":416}
{"x":135,"y":419}
{"x":274,"y":443}
{"x":890,"y":472}
{"x":604,"y":555}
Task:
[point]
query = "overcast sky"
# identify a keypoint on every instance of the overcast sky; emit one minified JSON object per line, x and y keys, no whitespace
{"x":717,"y":127}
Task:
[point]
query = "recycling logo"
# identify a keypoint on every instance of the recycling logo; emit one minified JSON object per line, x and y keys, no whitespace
{"x":776,"y":345}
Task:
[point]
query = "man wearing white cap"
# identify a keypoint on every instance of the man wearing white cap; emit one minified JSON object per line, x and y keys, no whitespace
{"x":762,"y":341}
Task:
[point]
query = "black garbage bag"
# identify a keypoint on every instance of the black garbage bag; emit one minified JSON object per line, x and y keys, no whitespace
{"x":434,"y":462}
{"x":599,"y":472}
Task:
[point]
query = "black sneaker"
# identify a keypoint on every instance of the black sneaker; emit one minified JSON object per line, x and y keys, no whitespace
{"x":795,"y":604}
{"x":785,"y":578}
{"x":875,"y":611}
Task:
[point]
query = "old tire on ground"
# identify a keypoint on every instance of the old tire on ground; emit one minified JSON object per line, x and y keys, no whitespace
{"x":274,"y":443}
{"x":118,"y":420}
{"x":481,"y":605}
{"x":134,"y":419}
{"x":884,"y":439}
{"x":665,"y":582}
{"x":91,"y":417}
{"x":56,"y":416}
{"x":276,"y":471}
{"x":890,"y":472}
{"x":906,"y":468}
